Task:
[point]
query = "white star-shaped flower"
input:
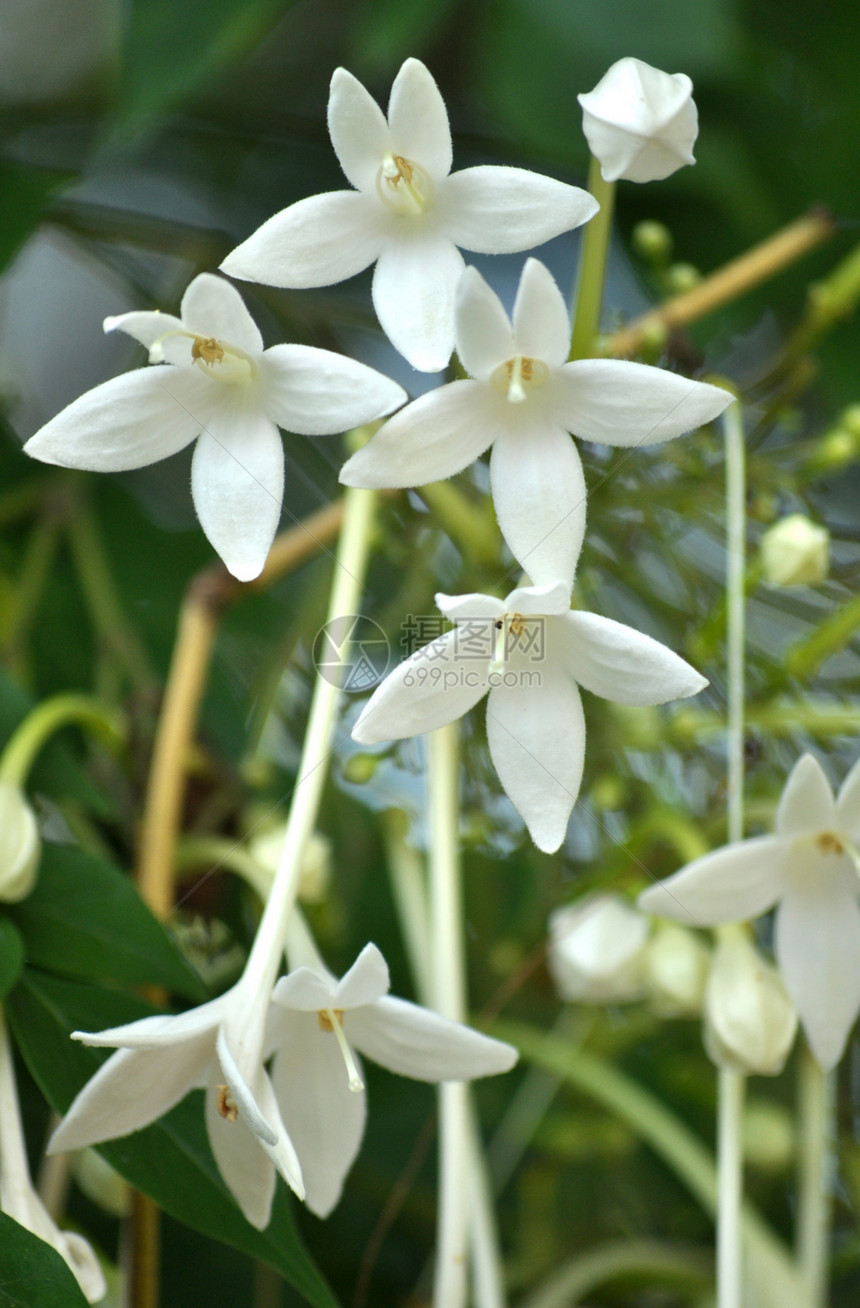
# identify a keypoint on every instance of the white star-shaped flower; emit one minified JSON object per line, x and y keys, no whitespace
{"x":524,"y":400}
{"x":407,"y":212}
{"x":316,"y":1023}
{"x":639,"y":122}
{"x":809,"y":870}
{"x":227,"y":391}
{"x":529,"y":651}
{"x":218,"y":1045}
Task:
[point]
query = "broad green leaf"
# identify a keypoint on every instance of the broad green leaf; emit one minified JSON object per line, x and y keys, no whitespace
{"x":86,"y":920}
{"x":11,"y":955}
{"x":32,"y":1272}
{"x":171,"y":1160}
{"x":388,"y":31}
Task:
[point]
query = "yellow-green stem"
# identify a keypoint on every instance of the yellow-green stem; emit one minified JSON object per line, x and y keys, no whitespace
{"x":49,"y":716}
{"x":592,"y":266}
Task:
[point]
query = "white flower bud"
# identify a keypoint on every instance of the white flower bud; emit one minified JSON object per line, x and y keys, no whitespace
{"x":639,"y":122}
{"x":102,"y":1183}
{"x":749,"y":1021}
{"x":676,"y":966}
{"x":315,"y":873}
{"x":20,"y":845}
{"x":596,"y":949}
{"x":795,"y":552}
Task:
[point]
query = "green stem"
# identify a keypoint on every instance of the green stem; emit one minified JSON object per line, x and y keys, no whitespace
{"x":805,"y":657}
{"x":52,"y":714}
{"x":31,"y":581}
{"x":465,"y":521}
{"x":592,"y":266}
{"x":647,"y":1260}
{"x":223,"y":855}
{"x":732,"y":1087}
{"x":406,"y":874}
{"x":813,"y":1203}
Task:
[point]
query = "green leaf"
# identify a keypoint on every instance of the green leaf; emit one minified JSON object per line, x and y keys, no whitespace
{"x":24,"y":194}
{"x":11,"y":955}
{"x":171,"y":1160}
{"x":86,"y":920}
{"x":32,"y":1272}
{"x":385,"y":32}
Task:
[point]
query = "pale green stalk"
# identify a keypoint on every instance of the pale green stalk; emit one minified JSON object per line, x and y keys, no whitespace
{"x":38,"y":726}
{"x":592,"y":266}
{"x":816,"y":1089}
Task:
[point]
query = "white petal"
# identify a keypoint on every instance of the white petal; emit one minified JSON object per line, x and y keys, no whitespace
{"x":304,"y":990}
{"x":358,"y":130}
{"x":246,"y":1169}
{"x":323,"y":1116}
{"x":640,"y":122}
{"x":237,"y":480}
{"x":415,"y":1042}
{"x":366,"y":981}
{"x":806,"y":803}
{"x":418,"y":120}
{"x":315,"y":242}
{"x":621,"y":664}
{"x":817,"y":944}
{"x":434,"y":437}
{"x":212,"y":307}
{"x":130,"y":1090}
{"x":621,"y":403}
{"x":317,"y":392}
{"x":540,"y":318}
{"x":431,"y":688}
{"x":242,"y":1093}
{"x":149,"y":327}
{"x":483,"y":330}
{"x":498,"y":210}
{"x":413,"y":294}
{"x":549,"y":598}
{"x":730,"y":884}
{"x":536,"y":734}
{"x":160,"y":1029}
{"x":79,"y":1254}
{"x":470,"y":608}
{"x":127,"y":422}
{"x":848,"y":803}
{"x":539,"y":496}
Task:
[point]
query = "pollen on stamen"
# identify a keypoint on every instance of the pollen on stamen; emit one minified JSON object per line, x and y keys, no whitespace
{"x":207,"y":349}
{"x":226,"y":1103}
{"x":325,"y":1022}
{"x":828,"y":843}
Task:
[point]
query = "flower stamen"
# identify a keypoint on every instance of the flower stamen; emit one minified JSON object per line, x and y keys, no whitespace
{"x":828,"y":843}
{"x":208,"y":350}
{"x":403,"y":185}
{"x":517,"y":376}
{"x":331,"y":1019}
{"x":226,"y":1103}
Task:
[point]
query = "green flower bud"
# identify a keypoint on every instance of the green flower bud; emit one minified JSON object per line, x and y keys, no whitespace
{"x":795,"y":552}
{"x":652,"y":241}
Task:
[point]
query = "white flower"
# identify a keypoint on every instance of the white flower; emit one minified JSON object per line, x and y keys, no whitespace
{"x":795,"y":552}
{"x":406,"y":213}
{"x":676,"y":966}
{"x":639,"y":122}
{"x":524,"y":400}
{"x":596,"y":950}
{"x":317,"y":1021}
{"x":231,"y":394}
{"x":750,"y":1024}
{"x":809,"y":869}
{"x":20,"y":846}
{"x":529,"y":651}
{"x":159,"y":1059}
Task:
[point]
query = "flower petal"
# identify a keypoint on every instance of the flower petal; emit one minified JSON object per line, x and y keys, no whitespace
{"x":304,"y":990}
{"x":730,"y":884}
{"x":127,"y":422}
{"x":418,"y":120}
{"x":415,"y":1042}
{"x":621,"y":664}
{"x":366,"y":981}
{"x":540,"y":318}
{"x":237,"y":480}
{"x":621,"y":403}
{"x":474,"y":607}
{"x":317,"y":392}
{"x":848,"y":803}
{"x":315,"y":242}
{"x":806,"y":803}
{"x":432,"y":687}
{"x":212,"y":307}
{"x":248,"y":1108}
{"x":434,"y":437}
{"x":160,"y":1029}
{"x":539,"y":496}
{"x":321,"y":1113}
{"x":484,"y":334}
{"x":414,"y":286}
{"x":358,"y":130}
{"x":547,"y":599}
{"x":500,"y":210}
{"x":536,"y":735}
{"x":149,"y":327}
{"x":245,"y":1167}
{"x":817,"y":945}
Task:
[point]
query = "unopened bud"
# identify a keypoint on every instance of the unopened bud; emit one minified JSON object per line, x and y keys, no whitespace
{"x":358,"y":769}
{"x":676,"y":966}
{"x":314,"y":875}
{"x":682,"y":277}
{"x":20,"y":846}
{"x":596,"y":949}
{"x":749,"y":1021}
{"x":640,"y":123}
{"x":652,"y":241}
{"x":795,"y":552}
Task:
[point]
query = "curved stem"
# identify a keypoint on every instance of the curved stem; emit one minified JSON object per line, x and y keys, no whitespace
{"x":38,"y":726}
{"x":592,"y":265}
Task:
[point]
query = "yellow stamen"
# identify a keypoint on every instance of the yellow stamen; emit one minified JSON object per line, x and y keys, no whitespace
{"x":331,"y":1019}
{"x":208,"y":350}
{"x":829,"y":844}
{"x":403,"y":185}
{"x":226,"y":1104}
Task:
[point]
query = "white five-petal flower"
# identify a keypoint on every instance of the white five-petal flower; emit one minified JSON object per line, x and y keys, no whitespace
{"x":535,"y":724}
{"x":524,"y":400}
{"x":407,"y":213}
{"x":316,"y":1022}
{"x":219,"y":1046}
{"x":639,"y":122}
{"x":809,"y":870}
{"x":229,"y":393}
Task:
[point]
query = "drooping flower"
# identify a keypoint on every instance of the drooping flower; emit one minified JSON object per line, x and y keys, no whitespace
{"x":225,"y":390}
{"x":809,"y":870}
{"x":639,"y":122}
{"x":20,"y":845}
{"x":316,"y":1024}
{"x":795,"y":552}
{"x":406,"y":213}
{"x":159,"y":1059}
{"x":523,"y":400}
{"x":529,"y":651}
{"x":596,"y":950}
{"x":749,"y":1023}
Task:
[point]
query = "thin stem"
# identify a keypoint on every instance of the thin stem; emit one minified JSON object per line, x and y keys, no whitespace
{"x":59,"y":711}
{"x":592,"y":265}
{"x":732,"y":1086}
{"x":487,"y":1279}
{"x":30,"y":586}
{"x":813,"y":1202}
{"x":406,"y":873}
